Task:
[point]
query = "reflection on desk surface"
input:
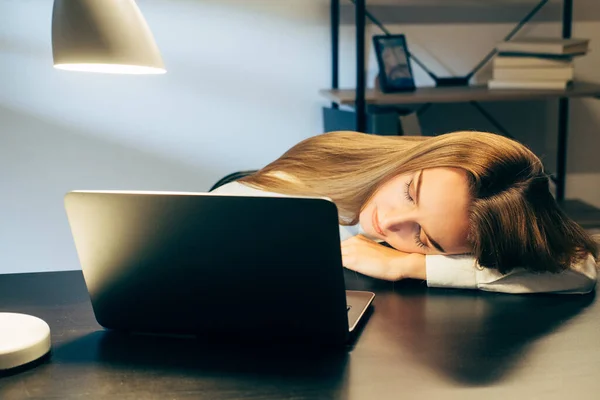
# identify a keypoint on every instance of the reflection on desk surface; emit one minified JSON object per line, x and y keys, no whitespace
{"x":420,"y":342}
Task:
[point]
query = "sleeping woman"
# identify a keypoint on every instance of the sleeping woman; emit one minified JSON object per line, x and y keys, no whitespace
{"x":468,"y":210}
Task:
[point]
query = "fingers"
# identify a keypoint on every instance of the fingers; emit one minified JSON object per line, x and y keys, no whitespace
{"x":348,"y":253}
{"x":376,"y":270}
{"x":351,"y":248}
{"x":367,"y":257}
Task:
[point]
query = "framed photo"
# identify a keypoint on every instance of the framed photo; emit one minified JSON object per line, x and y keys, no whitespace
{"x":395,"y":73}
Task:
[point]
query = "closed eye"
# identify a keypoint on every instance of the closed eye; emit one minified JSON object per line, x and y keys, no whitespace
{"x":418,"y":240}
{"x":407,"y":191}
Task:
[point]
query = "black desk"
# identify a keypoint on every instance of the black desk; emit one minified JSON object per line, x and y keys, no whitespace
{"x":418,"y":343}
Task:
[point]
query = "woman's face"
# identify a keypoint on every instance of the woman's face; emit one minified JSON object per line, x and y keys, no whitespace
{"x":423,"y":212}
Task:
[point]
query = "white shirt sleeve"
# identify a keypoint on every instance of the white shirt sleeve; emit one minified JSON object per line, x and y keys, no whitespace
{"x":238,"y":189}
{"x":465,"y":273}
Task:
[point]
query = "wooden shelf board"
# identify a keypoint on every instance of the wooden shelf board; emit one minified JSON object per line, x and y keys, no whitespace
{"x":459,"y":94}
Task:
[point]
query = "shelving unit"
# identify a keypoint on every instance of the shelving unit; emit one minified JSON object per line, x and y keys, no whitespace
{"x":361,"y":98}
{"x":458,"y":95}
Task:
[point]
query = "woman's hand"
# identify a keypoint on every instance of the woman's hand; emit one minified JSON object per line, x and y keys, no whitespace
{"x":377,"y":261}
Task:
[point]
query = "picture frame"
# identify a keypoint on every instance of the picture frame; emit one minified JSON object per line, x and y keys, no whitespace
{"x":395,"y":71}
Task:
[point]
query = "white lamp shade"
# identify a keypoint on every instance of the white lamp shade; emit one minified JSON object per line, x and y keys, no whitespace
{"x":109,"y":36}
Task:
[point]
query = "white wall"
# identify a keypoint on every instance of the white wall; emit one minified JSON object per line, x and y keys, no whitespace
{"x":241,"y":89}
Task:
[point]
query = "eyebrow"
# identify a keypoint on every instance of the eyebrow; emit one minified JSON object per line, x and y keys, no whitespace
{"x":417,"y":196}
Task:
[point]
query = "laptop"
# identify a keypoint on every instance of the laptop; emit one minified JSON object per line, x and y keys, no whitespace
{"x":203,"y":264}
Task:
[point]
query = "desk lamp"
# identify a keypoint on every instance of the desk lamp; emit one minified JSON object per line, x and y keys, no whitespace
{"x":108,"y":36}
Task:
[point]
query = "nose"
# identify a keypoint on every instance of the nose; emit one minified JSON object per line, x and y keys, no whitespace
{"x":398,"y":220}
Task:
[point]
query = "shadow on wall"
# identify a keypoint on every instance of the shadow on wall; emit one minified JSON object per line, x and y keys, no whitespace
{"x":461,"y":12}
{"x":40,"y":161}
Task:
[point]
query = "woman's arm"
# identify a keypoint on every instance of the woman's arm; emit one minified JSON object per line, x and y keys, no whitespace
{"x":462,"y":272}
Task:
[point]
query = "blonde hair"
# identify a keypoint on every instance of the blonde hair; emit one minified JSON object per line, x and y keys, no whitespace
{"x":514,"y":220}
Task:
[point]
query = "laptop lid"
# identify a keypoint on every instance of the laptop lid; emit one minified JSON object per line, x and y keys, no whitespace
{"x":258,"y":267}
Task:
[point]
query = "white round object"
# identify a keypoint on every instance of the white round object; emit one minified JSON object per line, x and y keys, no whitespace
{"x":23,"y":339}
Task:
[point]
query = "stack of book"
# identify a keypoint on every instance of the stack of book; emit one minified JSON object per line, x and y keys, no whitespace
{"x":536,"y":63}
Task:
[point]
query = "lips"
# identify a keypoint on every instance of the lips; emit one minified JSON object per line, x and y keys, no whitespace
{"x":376,"y":223}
